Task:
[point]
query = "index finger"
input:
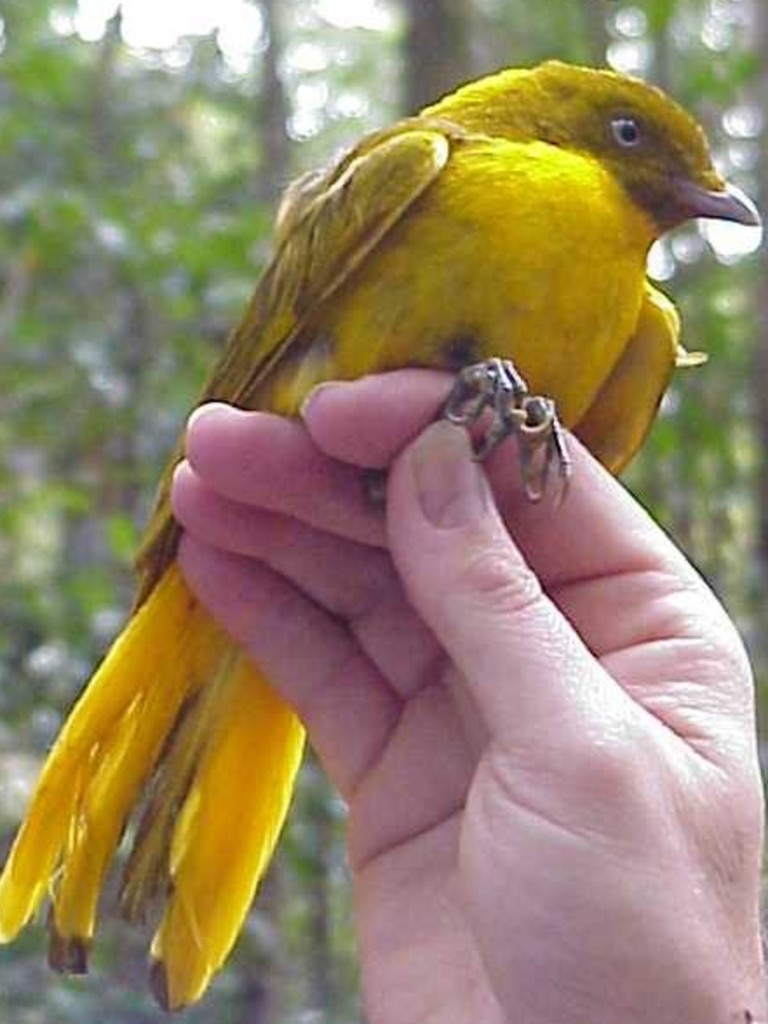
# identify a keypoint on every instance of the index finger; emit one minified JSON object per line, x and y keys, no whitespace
{"x":269,"y":462}
{"x":369,"y":422}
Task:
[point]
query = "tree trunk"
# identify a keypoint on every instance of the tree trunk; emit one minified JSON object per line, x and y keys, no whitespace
{"x":436,"y":50}
{"x":594,"y":14}
{"x":261,"y":975}
{"x":320,"y":961}
{"x":760,"y":374}
{"x":273,"y":112}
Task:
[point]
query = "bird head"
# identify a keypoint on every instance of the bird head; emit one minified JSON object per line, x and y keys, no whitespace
{"x":653,"y":147}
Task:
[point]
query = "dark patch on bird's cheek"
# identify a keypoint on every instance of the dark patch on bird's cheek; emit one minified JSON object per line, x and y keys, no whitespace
{"x":665,"y":210}
{"x":654,"y":194}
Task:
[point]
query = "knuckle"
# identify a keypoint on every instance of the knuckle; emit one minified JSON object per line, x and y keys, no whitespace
{"x":609,"y":770}
{"x":497,"y":579}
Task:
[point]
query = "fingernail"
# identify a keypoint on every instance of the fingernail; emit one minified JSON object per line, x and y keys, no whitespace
{"x":182,"y":468}
{"x":451,"y":486}
{"x":207,"y":409}
{"x":314,"y":395}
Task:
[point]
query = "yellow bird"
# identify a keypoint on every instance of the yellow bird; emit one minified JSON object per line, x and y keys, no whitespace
{"x":512,"y":218}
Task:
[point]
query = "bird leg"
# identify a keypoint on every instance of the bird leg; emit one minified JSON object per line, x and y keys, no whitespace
{"x":496,"y":387}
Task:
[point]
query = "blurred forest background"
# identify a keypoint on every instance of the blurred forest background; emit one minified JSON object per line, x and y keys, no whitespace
{"x":141,"y":150}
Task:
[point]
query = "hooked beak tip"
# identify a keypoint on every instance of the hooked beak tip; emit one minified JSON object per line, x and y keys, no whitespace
{"x":728,"y":204}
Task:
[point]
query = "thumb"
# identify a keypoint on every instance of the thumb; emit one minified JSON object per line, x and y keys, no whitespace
{"x":532,"y":678}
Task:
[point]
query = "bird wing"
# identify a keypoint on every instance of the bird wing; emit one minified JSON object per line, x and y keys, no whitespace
{"x":621,"y":414}
{"x":327,"y":224}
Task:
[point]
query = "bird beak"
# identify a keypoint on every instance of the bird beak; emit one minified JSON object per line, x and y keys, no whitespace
{"x":718,"y":204}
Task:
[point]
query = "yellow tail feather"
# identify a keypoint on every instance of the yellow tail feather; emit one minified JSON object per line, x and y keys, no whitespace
{"x":227,"y":829}
{"x":147,"y":874}
{"x":169,"y":692}
{"x":98,"y":745}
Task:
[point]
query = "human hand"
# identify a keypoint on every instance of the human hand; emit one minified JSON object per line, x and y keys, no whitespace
{"x":542,"y":720}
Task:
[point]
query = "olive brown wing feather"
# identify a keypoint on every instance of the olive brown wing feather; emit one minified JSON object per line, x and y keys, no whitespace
{"x":328,"y":223}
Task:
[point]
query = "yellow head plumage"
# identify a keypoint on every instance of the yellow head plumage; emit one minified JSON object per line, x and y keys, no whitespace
{"x":650,"y":144}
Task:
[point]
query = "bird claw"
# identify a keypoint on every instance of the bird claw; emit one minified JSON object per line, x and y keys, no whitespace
{"x":495,"y":386}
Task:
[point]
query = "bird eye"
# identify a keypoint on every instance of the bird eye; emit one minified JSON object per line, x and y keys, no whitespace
{"x":626,"y":131}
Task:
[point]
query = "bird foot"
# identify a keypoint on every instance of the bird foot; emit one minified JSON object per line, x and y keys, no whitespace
{"x":495,"y":386}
